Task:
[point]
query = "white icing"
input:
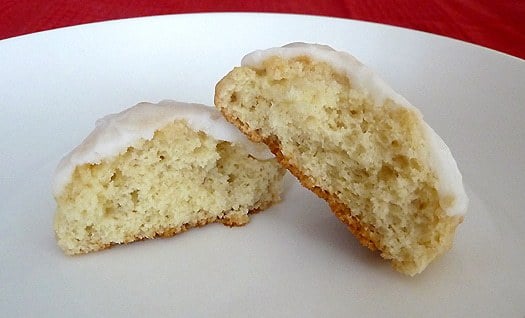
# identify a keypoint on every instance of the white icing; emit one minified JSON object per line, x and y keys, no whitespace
{"x":368,"y":82}
{"x":449,"y":178}
{"x":362,"y":77}
{"x":114,"y":133}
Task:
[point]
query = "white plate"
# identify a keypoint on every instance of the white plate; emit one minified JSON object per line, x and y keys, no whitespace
{"x":295,"y":259}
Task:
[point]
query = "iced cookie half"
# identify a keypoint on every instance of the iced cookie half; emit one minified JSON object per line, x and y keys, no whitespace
{"x":355,"y":142}
{"x":157,"y":170}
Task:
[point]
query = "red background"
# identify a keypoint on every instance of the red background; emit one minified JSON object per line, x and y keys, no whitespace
{"x":499,"y":25}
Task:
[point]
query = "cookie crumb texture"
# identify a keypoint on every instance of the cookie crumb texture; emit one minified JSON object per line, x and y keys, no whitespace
{"x":369,"y":162}
{"x":160,"y":187}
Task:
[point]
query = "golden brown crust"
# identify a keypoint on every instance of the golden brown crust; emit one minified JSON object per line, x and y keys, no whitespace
{"x":338,"y":208}
{"x":230,"y":220}
{"x":343,"y":213}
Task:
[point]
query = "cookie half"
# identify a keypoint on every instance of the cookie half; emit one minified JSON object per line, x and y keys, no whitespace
{"x":157,"y":170}
{"x":348,"y":137}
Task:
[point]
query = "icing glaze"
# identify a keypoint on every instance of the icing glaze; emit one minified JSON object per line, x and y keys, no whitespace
{"x":114,"y":133}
